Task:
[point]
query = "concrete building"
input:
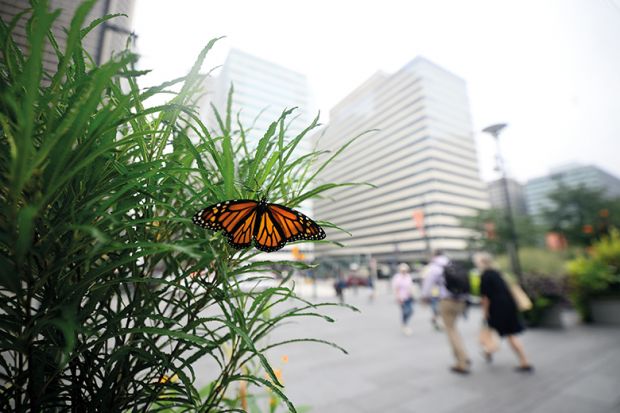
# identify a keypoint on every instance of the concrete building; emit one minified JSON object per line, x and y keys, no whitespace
{"x":516,"y":194}
{"x":262,"y":90}
{"x":109,"y":37}
{"x":537,"y":190}
{"x":422,"y":160}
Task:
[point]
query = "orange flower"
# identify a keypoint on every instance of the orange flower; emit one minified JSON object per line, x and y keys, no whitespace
{"x":278,"y":373}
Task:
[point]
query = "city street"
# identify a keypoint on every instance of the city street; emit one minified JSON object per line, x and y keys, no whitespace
{"x":577,"y":369}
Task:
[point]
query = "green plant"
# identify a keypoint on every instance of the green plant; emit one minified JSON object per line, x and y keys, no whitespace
{"x":596,"y":274}
{"x":582,"y":215}
{"x":540,"y":261}
{"x":544,"y":279}
{"x":490,"y":231}
{"x":109,"y":294}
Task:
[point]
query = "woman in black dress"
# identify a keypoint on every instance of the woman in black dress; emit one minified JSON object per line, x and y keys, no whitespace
{"x":499,"y":308}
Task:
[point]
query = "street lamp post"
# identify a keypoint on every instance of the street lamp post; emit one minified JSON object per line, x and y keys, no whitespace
{"x":513,"y":242}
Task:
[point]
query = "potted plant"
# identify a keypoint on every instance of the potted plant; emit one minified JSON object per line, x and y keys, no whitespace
{"x":545,"y":282}
{"x":595,"y":281}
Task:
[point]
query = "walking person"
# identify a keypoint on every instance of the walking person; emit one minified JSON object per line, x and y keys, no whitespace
{"x":452,"y":304}
{"x":339,"y":286}
{"x":500,"y":311}
{"x":402,"y":284}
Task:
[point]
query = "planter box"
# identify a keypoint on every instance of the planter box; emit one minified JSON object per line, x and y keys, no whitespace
{"x":558,"y":316}
{"x":606,"y":311}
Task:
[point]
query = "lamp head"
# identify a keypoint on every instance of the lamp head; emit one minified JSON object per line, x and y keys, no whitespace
{"x":495,"y":129}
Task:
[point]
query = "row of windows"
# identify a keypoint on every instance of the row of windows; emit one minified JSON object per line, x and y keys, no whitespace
{"x":376,"y":146}
{"x":395,"y":246}
{"x":388,"y":142}
{"x":403,"y":223}
{"x":269,"y":91}
{"x":383,"y":91}
{"x":353,"y":195}
{"x":410,"y":104}
{"x":371,"y":212}
{"x":407,"y":231}
{"x":256,"y":65}
{"x":383,"y":99}
{"x":467,"y":171}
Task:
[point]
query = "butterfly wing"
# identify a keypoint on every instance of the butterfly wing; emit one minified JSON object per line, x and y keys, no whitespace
{"x":235,"y":218}
{"x":278,"y":225}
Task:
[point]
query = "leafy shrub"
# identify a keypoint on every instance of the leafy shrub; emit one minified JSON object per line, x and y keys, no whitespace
{"x":538,"y":261}
{"x":109,"y":294}
{"x":544,"y":279}
{"x":596,"y":274}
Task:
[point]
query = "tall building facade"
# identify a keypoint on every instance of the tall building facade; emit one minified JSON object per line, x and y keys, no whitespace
{"x":107,"y":38}
{"x":422,"y":161}
{"x":262,"y":90}
{"x":516,"y":194}
{"x":537,"y":190}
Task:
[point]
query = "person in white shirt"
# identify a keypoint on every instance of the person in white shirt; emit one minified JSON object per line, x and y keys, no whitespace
{"x":402,"y":284}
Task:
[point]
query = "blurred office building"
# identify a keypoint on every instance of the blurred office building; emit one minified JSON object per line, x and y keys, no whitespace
{"x":107,"y":38}
{"x":571,"y":175}
{"x":516,"y":195}
{"x":422,"y":160}
{"x":262,"y":91}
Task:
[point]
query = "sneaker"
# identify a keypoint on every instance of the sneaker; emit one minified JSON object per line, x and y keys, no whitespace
{"x":407,"y":331}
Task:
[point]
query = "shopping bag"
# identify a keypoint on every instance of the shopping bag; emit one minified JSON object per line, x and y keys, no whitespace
{"x":523,"y":301}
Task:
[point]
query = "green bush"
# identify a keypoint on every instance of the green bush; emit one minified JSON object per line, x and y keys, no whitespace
{"x":544,"y":280}
{"x":108,"y":293}
{"x":538,"y":261}
{"x":596,"y":274}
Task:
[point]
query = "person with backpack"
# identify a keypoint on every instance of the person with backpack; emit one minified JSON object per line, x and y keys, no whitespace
{"x":453,"y":283}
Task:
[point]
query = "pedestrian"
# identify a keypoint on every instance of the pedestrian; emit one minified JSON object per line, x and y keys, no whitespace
{"x":500,"y":312}
{"x":402,"y":284}
{"x":339,"y":286}
{"x":451,"y":306}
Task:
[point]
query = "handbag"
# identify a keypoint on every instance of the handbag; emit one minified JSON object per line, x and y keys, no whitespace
{"x":521,"y":299}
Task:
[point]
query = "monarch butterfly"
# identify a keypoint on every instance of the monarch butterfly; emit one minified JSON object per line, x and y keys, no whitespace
{"x":271,"y":226}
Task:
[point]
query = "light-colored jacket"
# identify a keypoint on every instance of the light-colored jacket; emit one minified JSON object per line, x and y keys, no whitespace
{"x":434,"y":278}
{"x":402,"y":285}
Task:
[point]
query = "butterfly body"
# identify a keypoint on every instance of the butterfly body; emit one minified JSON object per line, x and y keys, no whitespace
{"x":269,"y":226}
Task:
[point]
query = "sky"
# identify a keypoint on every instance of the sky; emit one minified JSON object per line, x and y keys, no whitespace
{"x":550,"y":69}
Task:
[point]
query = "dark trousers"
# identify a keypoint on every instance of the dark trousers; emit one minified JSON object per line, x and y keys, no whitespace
{"x":407,"y":309}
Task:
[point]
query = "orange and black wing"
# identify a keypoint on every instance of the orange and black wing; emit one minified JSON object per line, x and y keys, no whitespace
{"x":235,"y":218}
{"x":278,"y":225}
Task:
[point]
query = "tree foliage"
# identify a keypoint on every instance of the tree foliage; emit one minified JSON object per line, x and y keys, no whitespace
{"x":582,"y":215}
{"x":491,"y":232}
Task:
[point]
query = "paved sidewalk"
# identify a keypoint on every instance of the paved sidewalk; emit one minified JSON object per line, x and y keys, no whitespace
{"x":577,"y":369}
